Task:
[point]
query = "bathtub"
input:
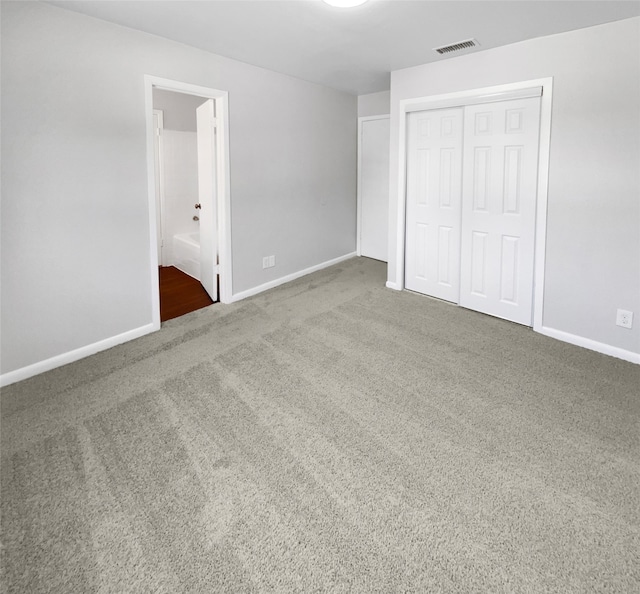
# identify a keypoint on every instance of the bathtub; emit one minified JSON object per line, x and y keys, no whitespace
{"x":186,"y":253}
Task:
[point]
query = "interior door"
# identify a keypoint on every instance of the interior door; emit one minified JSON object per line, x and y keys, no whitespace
{"x":206,"y":132}
{"x":499,"y":204}
{"x":434,"y":171}
{"x":374,"y":188}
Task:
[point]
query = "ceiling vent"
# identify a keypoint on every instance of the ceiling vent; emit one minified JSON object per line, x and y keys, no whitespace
{"x":456,"y":47}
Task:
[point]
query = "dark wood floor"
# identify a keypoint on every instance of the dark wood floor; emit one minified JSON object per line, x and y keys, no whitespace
{"x":180,"y":294}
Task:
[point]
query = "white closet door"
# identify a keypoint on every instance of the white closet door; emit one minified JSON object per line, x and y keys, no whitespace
{"x":498,"y":211}
{"x":434,"y":171}
{"x":374,"y":188}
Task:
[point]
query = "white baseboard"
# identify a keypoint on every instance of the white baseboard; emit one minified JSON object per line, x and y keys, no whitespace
{"x":392,"y":285}
{"x":285,"y":279}
{"x":593,"y":345}
{"x":23,"y":373}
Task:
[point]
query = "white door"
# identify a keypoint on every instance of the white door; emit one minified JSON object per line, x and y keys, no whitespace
{"x":374,"y":188}
{"x":434,"y":165}
{"x":206,"y":132}
{"x":499,"y":204}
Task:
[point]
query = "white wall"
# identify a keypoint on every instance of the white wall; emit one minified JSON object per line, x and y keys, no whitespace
{"x":374,"y":104}
{"x":180,"y":169}
{"x":75,"y":238}
{"x":593,"y":224}
{"x":179,"y":110}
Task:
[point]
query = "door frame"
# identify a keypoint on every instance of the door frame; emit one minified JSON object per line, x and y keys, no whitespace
{"x":468,"y":97}
{"x":159,"y":182}
{"x":361,"y":121}
{"x":221,"y":99}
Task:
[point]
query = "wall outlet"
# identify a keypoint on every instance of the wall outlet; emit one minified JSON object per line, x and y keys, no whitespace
{"x":624,"y":318}
{"x":268,"y":262}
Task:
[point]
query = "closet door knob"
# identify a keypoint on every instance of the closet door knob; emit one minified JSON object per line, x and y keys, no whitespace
{"x":198,"y":205}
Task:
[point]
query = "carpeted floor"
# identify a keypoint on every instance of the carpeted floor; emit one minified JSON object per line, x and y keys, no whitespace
{"x":329,"y":435}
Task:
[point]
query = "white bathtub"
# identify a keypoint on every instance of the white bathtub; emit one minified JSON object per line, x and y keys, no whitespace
{"x":186,"y":253}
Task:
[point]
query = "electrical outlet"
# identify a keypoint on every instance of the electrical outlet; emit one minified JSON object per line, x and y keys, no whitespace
{"x":268,"y":262}
{"x":624,"y":318}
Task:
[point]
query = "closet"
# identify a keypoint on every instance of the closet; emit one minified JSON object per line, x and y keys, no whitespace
{"x":471,"y":204}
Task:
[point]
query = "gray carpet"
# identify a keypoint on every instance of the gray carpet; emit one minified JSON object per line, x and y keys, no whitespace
{"x":329,"y":435}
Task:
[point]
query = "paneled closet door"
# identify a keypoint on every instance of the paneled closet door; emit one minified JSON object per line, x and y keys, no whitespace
{"x":434,"y":171}
{"x":499,"y":205}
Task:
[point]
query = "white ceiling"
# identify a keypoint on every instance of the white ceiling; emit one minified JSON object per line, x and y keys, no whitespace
{"x":354,"y":49}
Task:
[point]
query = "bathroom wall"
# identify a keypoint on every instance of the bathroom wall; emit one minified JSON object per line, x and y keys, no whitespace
{"x":180,"y":177}
{"x":179,"y":109}
{"x":179,"y":167}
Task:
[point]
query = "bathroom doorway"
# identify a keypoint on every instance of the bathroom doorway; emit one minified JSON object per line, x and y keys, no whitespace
{"x":190,"y":196}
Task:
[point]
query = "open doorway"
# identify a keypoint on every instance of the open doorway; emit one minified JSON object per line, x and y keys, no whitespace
{"x":177,"y":150}
{"x":189,"y":197}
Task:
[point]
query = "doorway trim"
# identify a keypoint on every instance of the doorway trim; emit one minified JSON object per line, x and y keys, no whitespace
{"x":158,"y":165}
{"x":473,"y":96}
{"x":361,"y":121}
{"x":223,"y":191}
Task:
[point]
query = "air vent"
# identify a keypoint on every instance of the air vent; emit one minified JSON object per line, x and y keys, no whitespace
{"x":456,"y":47}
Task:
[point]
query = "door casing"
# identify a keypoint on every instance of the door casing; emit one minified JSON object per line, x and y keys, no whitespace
{"x":158,"y":163}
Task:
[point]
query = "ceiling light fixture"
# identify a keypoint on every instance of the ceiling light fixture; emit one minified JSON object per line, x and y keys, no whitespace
{"x":345,"y":3}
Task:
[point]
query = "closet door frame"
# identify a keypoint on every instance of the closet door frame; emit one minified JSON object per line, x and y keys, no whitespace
{"x":543,"y":87}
